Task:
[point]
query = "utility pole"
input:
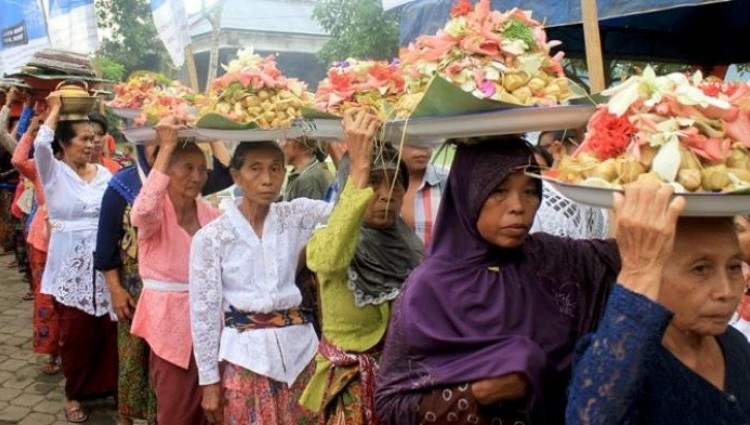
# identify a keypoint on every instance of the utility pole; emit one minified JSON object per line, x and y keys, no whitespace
{"x":213,"y":59}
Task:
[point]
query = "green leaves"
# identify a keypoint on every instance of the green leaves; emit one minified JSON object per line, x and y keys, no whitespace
{"x":358,"y":28}
{"x":131,"y":37}
{"x":220,"y":122}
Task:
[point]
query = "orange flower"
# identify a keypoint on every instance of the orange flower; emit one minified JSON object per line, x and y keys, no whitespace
{"x":461,"y":8}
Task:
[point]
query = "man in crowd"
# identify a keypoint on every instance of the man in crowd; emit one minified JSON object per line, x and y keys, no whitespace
{"x":308,"y":178}
{"x":422,"y":199}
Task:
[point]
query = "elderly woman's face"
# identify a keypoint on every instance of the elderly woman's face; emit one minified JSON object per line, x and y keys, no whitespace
{"x":80,"y":148}
{"x":702,"y":281}
{"x":507,"y":214}
{"x":384,"y":209}
{"x":188,"y":173}
{"x":261,"y":176}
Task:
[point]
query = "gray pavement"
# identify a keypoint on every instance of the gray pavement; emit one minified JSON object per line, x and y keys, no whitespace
{"x":27,"y":396}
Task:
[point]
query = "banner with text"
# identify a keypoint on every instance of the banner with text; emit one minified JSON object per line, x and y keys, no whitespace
{"x":23,"y":32}
{"x":72,"y":25}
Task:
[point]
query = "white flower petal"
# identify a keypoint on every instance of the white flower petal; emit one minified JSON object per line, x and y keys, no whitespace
{"x":667,"y":161}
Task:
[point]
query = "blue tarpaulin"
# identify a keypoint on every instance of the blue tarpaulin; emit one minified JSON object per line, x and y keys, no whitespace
{"x":709,"y":32}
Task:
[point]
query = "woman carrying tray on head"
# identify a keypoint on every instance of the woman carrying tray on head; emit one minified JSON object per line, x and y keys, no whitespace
{"x":663,"y":353}
{"x":485,"y":328}
{"x":361,"y":259}
{"x":254,"y":345}
{"x":167,"y":213}
{"x":74,"y":188}
{"x":46,"y":322}
{"x":117,"y":257}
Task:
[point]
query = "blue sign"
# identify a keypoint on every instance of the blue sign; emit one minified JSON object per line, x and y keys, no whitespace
{"x":20,"y":22}
{"x":61,"y":7}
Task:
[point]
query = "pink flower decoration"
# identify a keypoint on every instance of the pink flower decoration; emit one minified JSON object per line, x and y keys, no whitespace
{"x":488,"y":88}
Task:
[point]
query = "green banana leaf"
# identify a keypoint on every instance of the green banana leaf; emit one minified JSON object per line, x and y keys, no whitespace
{"x":314,"y":114}
{"x":445,"y":98}
{"x":220,"y":122}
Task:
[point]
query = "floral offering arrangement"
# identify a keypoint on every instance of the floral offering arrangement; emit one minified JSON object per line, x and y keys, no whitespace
{"x":172,"y":99}
{"x":353,"y":83}
{"x":499,"y":56}
{"x":254,"y":91}
{"x":133,"y":93}
{"x":691,"y":132}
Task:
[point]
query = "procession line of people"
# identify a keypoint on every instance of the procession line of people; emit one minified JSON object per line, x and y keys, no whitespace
{"x":381,"y":307}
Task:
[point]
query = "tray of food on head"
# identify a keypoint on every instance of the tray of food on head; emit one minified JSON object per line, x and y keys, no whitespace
{"x":677,"y":129}
{"x":147,"y":135}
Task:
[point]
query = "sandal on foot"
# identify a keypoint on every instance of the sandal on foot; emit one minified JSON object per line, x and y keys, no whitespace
{"x":51,"y":367}
{"x":29,"y":296}
{"x":76,"y":415}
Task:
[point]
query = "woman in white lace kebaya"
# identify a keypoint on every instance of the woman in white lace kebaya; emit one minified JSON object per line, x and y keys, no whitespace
{"x":253,"y":343}
{"x":74,"y":188}
{"x":559,"y":216}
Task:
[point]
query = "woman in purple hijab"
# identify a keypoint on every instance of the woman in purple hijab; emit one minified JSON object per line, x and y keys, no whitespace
{"x":486,"y":326}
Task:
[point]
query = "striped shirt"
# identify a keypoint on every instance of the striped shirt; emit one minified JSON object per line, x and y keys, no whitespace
{"x":427,"y":202}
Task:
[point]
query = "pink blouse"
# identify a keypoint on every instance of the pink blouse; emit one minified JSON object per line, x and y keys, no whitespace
{"x":162,"y":316}
{"x":38,"y":231}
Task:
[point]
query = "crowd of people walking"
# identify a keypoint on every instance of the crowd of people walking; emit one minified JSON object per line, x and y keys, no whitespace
{"x":391,"y":291}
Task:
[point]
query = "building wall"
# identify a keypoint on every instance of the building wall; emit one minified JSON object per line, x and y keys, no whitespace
{"x":304,"y":66}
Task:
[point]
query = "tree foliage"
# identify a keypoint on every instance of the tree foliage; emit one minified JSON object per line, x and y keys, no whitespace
{"x":358,"y":28}
{"x":111,"y":70}
{"x":131,"y":38}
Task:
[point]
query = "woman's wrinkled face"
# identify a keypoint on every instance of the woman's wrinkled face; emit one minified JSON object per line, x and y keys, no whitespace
{"x":261,"y":176}
{"x":188,"y":174}
{"x":743,"y":234}
{"x":80,"y":148}
{"x":702,"y":282}
{"x":384,"y":209}
{"x":507,"y":214}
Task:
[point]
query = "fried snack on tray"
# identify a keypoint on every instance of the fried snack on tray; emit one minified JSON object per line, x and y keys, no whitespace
{"x":691,"y":132}
{"x":254,"y":91}
{"x":377,"y":85}
{"x":493,"y":55}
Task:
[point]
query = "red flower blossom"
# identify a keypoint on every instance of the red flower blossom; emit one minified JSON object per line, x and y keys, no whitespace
{"x":341,"y":81}
{"x":714,"y":88}
{"x":608,"y":135}
{"x":461,"y":8}
{"x":382,"y":72}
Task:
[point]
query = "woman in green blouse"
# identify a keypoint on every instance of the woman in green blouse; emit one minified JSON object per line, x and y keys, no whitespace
{"x":361,"y":259}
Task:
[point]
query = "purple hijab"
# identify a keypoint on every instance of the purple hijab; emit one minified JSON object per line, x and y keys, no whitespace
{"x":472,"y":311}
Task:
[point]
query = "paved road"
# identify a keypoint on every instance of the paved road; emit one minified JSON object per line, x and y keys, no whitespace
{"x":27,"y":396}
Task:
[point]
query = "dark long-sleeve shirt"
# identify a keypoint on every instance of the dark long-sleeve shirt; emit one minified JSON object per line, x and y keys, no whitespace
{"x":625,"y":375}
{"x":111,"y":230}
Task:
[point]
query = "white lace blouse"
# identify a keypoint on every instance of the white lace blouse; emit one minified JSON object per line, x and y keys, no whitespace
{"x":230,"y":265}
{"x":73,"y":207}
{"x":559,"y":216}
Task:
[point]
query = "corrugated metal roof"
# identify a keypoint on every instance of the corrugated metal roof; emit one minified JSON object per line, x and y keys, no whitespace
{"x":284,"y":16}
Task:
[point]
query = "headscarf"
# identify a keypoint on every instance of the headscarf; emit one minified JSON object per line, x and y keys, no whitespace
{"x":384,"y":257}
{"x":473,"y":311}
